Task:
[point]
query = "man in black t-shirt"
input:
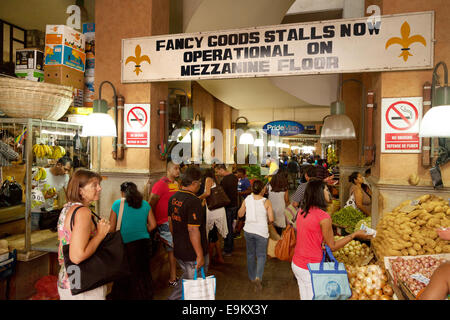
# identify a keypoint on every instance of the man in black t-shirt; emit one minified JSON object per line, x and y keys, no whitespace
{"x":230,"y":185}
{"x":187,"y":221}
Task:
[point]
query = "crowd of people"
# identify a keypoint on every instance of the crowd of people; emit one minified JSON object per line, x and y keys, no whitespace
{"x":180,"y":214}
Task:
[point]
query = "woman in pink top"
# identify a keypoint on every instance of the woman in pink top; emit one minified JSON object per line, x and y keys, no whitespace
{"x":314,"y":228}
{"x":84,"y":236}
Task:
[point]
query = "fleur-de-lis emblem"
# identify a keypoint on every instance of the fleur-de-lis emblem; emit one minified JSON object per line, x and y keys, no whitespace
{"x":405,"y":41}
{"x":138,"y":59}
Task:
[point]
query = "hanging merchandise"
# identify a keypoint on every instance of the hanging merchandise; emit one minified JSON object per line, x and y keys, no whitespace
{"x":21,"y":137}
{"x":77,"y":141}
{"x":7,"y":154}
{"x":331,"y":156}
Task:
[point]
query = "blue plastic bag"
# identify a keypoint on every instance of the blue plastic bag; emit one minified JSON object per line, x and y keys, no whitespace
{"x":329,"y":279}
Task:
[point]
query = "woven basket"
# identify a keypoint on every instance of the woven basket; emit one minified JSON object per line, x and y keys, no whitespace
{"x":28,"y":99}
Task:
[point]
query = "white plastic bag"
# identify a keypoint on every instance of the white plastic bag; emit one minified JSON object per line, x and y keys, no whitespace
{"x":199,"y":289}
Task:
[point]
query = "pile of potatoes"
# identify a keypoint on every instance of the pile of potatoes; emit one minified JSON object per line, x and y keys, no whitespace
{"x":410,"y":229}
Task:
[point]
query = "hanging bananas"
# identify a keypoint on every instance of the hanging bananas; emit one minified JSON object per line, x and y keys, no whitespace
{"x":331,"y":156}
{"x":58,"y":152}
{"x":50,"y":152}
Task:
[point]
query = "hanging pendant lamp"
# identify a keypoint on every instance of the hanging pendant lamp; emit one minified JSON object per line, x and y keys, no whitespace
{"x":338,"y":126}
{"x":435,"y":121}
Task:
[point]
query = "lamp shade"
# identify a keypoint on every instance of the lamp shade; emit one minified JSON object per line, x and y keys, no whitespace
{"x":99,"y":125}
{"x":338,"y":127}
{"x":435,"y":122}
{"x":246,"y":138}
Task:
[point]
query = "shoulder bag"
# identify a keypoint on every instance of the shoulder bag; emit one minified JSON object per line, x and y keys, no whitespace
{"x":285,"y":248}
{"x":108,"y":263}
{"x":329,"y":279}
{"x":217,"y":199}
{"x":351,"y":202}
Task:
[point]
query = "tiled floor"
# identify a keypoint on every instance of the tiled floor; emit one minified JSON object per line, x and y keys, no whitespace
{"x":233,"y":283}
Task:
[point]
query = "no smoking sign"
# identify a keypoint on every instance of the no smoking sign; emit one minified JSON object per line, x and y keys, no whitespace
{"x":137,"y":125}
{"x":400,"y":125}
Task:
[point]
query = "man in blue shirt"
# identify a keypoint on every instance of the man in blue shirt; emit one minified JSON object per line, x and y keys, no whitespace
{"x":244,"y":185}
{"x":244,"y":189}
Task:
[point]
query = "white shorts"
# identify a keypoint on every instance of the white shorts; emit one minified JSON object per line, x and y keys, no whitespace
{"x":94,"y":294}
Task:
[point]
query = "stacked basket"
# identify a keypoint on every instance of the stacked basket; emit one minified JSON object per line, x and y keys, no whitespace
{"x":21,"y":98}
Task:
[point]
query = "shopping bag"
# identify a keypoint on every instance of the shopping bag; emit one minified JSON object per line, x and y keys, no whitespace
{"x":271,"y":247}
{"x":284,"y":250}
{"x":199,"y":289}
{"x":273,"y":234}
{"x":329,"y":279}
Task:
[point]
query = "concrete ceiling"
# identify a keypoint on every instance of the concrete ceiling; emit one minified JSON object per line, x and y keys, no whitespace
{"x":253,"y":93}
{"x":275,"y":92}
{"x":211,"y":15}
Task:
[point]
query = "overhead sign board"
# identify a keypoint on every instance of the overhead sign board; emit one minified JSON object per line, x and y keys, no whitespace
{"x":137,"y":125}
{"x":400,"y":125}
{"x":395,"y":42}
{"x":283,"y":128}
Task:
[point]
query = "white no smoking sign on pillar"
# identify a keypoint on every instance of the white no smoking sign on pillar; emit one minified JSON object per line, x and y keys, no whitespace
{"x":400,"y":125}
{"x":137,"y":125}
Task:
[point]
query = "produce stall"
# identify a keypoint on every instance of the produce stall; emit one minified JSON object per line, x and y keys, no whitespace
{"x":40,"y":143}
{"x":412,"y":274}
{"x":39,"y":133}
{"x":408,"y":246}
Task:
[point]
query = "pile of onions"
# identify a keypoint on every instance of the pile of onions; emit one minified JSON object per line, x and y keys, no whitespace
{"x":353,"y":253}
{"x":369,"y":283}
{"x":403,"y":269}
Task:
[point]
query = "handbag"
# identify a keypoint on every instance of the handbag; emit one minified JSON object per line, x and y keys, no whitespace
{"x":217,"y":199}
{"x":49,"y":219}
{"x":11,"y":192}
{"x":108,"y":263}
{"x":351,"y":202}
{"x":199,"y":289}
{"x":329,"y":279}
{"x":285,"y":248}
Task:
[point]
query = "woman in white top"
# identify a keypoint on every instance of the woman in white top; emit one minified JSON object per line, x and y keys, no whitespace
{"x":216,"y":220}
{"x":279,"y":197}
{"x":259,"y":214}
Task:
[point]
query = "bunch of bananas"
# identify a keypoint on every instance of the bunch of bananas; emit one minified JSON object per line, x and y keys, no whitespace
{"x":331,"y":156}
{"x":42,"y":150}
{"x":40,"y":174}
{"x":57,"y":152}
{"x":50,"y":191}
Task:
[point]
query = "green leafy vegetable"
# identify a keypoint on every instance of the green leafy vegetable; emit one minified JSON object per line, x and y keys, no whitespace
{"x":347,"y":217}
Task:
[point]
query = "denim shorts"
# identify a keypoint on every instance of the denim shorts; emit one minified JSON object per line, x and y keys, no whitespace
{"x":166,"y":236}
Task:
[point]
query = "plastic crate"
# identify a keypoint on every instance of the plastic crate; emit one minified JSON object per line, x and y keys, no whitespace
{"x":7,"y":266}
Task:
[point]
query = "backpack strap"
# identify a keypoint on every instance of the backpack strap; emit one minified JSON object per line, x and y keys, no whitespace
{"x":72,"y":219}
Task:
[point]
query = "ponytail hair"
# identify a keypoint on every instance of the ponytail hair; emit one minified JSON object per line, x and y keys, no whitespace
{"x":132,"y":195}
